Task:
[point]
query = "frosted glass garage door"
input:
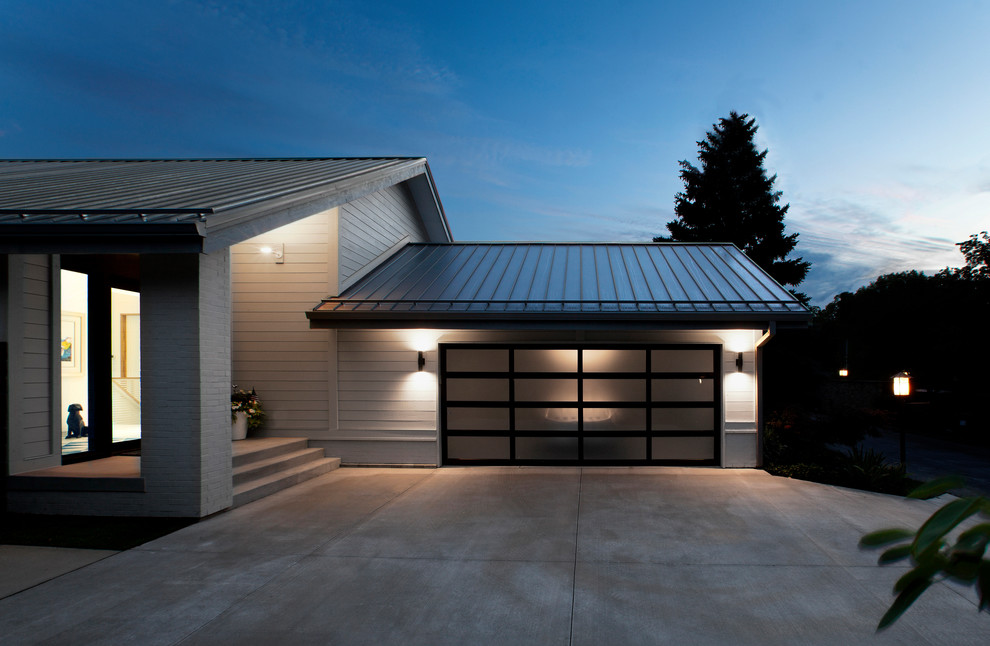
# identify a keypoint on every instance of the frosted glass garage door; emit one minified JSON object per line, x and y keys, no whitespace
{"x":608,"y":405}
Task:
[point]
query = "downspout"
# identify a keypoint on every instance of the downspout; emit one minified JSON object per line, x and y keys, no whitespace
{"x":771,"y":331}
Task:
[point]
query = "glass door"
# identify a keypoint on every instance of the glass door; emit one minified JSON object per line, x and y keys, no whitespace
{"x":100,"y":357}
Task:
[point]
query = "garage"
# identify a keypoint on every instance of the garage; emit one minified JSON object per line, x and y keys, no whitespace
{"x":554,"y":354}
{"x":580,"y":405}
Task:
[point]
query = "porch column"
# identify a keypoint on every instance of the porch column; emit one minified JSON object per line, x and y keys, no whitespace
{"x":185,"y":383}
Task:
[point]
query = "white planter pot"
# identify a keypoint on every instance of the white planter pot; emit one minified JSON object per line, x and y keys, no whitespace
{"x":238,"y":428}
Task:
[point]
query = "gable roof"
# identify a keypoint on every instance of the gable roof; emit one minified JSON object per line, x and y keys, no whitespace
{"x":187,"y":204}
{"x":528,"y":284}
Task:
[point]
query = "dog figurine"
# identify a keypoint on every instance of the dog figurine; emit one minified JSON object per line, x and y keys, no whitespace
{"x":77,"y":427}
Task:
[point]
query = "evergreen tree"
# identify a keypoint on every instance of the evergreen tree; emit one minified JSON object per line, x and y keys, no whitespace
{"x":731,"y":199}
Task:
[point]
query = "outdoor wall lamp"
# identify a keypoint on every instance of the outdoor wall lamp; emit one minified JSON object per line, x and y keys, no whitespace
{"x":843,"y":372}
{"x":420,"y":360}
{"x":277,"y":251}
{"x":739,"y":362}
{"x":902,"y":384}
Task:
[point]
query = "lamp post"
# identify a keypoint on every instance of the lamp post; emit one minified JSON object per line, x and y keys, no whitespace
{"x":902,"y":389}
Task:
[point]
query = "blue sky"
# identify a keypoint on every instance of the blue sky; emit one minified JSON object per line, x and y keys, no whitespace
{"x":544,"y":120}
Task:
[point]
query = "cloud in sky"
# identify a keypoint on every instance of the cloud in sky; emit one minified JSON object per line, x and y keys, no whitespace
{"x":543,"y":120}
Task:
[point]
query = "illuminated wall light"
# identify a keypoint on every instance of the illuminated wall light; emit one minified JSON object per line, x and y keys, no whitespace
{"x":277,"y":251}
{"x":843,"y":372}
{"x":420,"y":360}
{"x":739,"y":362}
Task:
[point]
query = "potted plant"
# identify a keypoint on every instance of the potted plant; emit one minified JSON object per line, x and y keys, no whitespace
{"x":246,"y":412}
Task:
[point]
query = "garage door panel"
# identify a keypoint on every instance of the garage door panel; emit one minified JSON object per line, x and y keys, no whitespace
{"x":547,"y":448}
{"x":684,"y":448}
{"x":614,"y":360}
{"x":546,"y":360}
{"x":670,"y":390}
{"x":477,"y":419}
{"x":614,"y":419}
{"x":615,"y":448}
{"x":547,"y":419}
{"x":482,"y":390}
{"x":477,"y":360}
{"x":671,"y":360}
{"x":683,"y":419}
{"x":477,"y":448}
{"x":614,"y":390}
{"x":549,"y":390}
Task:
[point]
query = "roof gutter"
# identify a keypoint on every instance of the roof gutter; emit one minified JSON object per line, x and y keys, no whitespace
{"x":546,"y":320}
{"x":176,"y":237}
{"x":770,"y":332}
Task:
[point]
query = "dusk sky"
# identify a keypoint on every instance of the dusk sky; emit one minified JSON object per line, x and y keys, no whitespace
{"x":544,"y":120}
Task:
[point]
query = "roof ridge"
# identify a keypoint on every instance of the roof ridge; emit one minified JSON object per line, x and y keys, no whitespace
{"x":119,"y":160}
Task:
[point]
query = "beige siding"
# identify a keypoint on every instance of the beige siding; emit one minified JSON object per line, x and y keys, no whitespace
{"x":274,"y":350}
{"x":384,"y":400}
{"x":29,"y":320}
{"x":371,"y":225}
{"x":382,"y":394}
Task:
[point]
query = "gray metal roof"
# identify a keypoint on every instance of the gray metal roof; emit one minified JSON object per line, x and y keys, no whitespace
{"x":179,"y":194}
{"x":519,"y":281}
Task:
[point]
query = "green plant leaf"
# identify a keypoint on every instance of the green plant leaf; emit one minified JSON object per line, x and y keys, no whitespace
{"x":963,"y":569}
{"x":936,"y":487}
{"x":894,"y":555}
{"x":942,"y":522}
{"x":923,"y":572}
{"x":883,"y":537}
{"x":903,"y":601}
{"x":983,"y":585}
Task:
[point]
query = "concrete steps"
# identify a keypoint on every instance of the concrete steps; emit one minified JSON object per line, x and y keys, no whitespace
{"x":266,"y":465}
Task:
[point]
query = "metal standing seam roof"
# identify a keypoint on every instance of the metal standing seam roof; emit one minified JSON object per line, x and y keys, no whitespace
{"x":137,"y":191}
{"x":565,"y":280}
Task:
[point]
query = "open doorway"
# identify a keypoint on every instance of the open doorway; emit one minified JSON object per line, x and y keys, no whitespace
{"x":100,"y":358}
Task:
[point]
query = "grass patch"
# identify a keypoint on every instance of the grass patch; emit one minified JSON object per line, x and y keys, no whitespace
{"x":87,"y":532}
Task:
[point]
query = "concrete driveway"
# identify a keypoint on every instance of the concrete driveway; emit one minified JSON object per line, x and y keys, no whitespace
{"x":508,"y":556}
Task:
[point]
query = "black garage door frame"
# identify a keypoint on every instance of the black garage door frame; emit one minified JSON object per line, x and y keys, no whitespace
{"x":648,"y":432}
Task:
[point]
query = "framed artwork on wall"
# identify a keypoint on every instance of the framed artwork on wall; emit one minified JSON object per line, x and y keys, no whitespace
{"x":71,"y":343}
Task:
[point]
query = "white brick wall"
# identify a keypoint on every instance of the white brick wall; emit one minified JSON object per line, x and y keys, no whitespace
{"x":185,"y":358}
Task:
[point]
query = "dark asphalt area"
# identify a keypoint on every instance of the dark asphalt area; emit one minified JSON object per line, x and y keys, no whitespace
{"x":929,"y":458}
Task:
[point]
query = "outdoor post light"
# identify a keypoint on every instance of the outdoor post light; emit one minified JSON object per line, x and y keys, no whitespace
{"x":902,"y":388}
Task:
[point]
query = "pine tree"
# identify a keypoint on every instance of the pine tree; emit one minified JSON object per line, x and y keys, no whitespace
{"x":731,"y":199}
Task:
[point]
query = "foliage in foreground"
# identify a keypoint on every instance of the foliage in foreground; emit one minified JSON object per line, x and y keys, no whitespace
{"x":932,"y":554}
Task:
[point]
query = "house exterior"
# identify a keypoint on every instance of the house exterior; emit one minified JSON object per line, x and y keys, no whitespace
{"x":141,"y":290}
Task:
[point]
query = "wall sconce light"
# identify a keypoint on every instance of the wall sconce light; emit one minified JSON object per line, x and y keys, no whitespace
{"x":277,"y":251}
{"x":843,"y":372}
{"x":739,"y":362}
{"x":421,"y":360}
{"x":902,"y":384}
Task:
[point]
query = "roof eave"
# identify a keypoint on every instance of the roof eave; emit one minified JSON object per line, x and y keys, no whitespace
{"x":227,"y":228}
{"x":319,"y":319}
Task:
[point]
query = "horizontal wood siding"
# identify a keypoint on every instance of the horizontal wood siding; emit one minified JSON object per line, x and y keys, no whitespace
{"x":273,"y":349}
{"x":381,"y":389}
{"x":372,"y":224}
{"x":29,"y":321}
